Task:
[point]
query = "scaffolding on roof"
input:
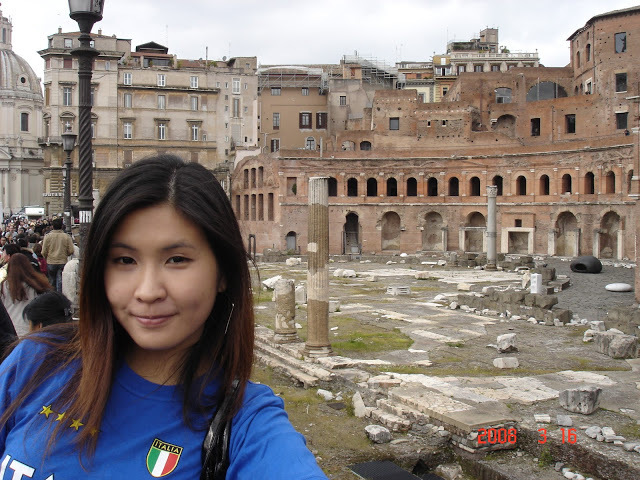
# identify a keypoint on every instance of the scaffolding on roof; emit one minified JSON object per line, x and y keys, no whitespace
{"x":374,"y":72}
{"x":292,"y":77}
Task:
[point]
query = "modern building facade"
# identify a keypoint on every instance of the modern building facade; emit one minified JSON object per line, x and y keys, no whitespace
{"x":21,"y":103}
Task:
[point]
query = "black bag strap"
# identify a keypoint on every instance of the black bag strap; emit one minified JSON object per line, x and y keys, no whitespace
{"x":215,"y":449}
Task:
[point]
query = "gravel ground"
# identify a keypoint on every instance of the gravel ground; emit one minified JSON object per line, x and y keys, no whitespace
{"x":587,"y":297}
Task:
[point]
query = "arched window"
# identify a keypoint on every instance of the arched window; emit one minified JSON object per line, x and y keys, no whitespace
{"x":497,"y":181}
{"x":333,"y":187}
{"x":365,"y":145}
{"x":372,"y":187}
{"x":610,"y":183}
{"x":412,"y":187}
{"x":454,"y":187}
{"x":392,"y":187}
{"x":566,"y":183}
{"x":544,"y":185}
{"x":432,"y":187}
{"x":474,"y":187}
{"x":521,"y":185}
{"x":589,"y":183}
{"x":352,"y":187}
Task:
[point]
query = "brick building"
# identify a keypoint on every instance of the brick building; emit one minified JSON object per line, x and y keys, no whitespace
{"x":414,"y":177}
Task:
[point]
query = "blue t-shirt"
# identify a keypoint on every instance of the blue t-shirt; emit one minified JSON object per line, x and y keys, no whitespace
{"x":143,"y":434}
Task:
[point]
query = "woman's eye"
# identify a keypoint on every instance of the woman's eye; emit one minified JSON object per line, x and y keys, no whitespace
{"x":178,"y":259}
{"x":124,"y":260}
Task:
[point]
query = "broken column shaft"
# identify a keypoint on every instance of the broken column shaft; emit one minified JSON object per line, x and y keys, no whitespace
{"x":318,"y":273}
{"x":492,"y":192}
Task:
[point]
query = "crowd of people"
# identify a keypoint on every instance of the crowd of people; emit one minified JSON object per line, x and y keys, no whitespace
{"x":33,"y":254}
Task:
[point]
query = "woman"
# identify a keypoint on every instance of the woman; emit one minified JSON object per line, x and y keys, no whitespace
{"x":165,"y":334}
{"x":21,"y":285}
{"x":47,"y":309}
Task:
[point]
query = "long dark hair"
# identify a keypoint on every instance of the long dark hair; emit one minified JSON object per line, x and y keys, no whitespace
{"x":99,"y":339}
{"x":20,"y":272}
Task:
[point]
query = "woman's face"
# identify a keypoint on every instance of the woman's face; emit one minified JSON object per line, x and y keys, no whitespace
{"x":161,"y":279}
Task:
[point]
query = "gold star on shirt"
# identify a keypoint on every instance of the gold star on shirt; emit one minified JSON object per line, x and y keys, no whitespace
{"x":46,"y":411}
{"x":60,"y":417}
{"x":76,"y":424}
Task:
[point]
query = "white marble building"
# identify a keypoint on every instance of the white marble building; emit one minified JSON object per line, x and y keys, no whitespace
{"x":21,"y":102}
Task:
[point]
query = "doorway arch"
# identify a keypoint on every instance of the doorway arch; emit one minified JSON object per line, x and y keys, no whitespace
{"x":609,"y":227}
{"x":567,"y":235}
{"x":351,"y":234}
{"x":432,"y":234}
{"x":391,"y":231}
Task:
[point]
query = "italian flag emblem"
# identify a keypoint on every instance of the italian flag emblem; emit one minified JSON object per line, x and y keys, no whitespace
{"x":162,"y":458}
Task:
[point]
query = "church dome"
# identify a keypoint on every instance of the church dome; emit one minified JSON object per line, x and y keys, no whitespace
{"x":16,"y":75}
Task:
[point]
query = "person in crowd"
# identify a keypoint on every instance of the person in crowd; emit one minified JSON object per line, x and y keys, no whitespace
{"x":7,"y":332}
{"x":164,"y":346}
{"x":49,"y":308}
{"x":42,"y":262}
{"x":21,"y":286}
{"x":8,"y":251}
{"x":56,"y":248}
{"x":25,"y":250}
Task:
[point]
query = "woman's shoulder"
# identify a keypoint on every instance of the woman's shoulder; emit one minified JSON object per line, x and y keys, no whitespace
{"x":34,"y":348}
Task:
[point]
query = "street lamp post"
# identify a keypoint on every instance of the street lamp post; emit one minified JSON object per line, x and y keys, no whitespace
{"x":68,"y":142}
{"x":86,"y":13}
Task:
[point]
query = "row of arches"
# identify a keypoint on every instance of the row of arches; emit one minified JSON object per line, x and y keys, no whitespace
{"x":566,"y":234}
{"x":473,"y":187}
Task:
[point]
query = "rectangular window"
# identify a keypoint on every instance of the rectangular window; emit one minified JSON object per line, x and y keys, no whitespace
{"x":162,"y":102}
{"x":495,"y":68}
{"x":621,"y":121}
{"x":92,"y":96}
{"x":66,"y":96}
{"x":444,"y":91}
{"x":343,"y":100}
{"x":235,"y":86}
{"x":194,"y":104}
{"x":276,"y":121}
{"x":461,"y":69}
{"x":194,"y":132}
{"x":305,"y":92}
{"x":621,"y":82}
{"x":275,"y":144}
{"x":162,"y":80}
{"x":236,"y":107}
{"x":535,"y":127}
{"x":587,"y":88}
{"x":621,"y":42}
{"x":127,"y":78}
{"x":127,"y":130}
{"x":321,"y":120}
{"x":570,"y":123}
{"x":305,"y":120}
{"x":162,"y":131}
{"x":47,"y":95}
{"x":67,"y":63}
{"x":107,"y":65}
{"x":94,"y":127}
{"x":275,"y":91}
{"x":24,"y":122}
{"x":478,"y":68}
{"x":394,"y":123}
{"x":193,"y":82}
{"x":68,"y":43}
{"x":128,"y":100}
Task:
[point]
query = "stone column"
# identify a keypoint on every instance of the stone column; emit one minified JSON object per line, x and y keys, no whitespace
{"x":318,"y":274}
{"x":492,"y":192}
{"x":551,"y":242}
{"x":285,"y":328}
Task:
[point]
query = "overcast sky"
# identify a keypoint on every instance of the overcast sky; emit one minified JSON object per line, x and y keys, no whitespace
{"x":305,"y":31}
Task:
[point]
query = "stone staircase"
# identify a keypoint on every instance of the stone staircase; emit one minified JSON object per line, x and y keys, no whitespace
{"x":400,"y":406}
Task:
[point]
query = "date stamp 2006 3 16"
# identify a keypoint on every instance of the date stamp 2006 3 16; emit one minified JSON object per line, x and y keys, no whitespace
{"x":493,"y":436}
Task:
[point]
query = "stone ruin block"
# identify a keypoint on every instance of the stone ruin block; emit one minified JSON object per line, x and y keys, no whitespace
{"x":506,"y":362}
{"x":625,"y":319}
{"x":548,"y":273}
{"x":562,"y":314}
{"x":530,"y":299}
{"x":583,"y":400}
{"x":507,"y":343}
{"x":616,"y":345}
{"x":546,"y":301}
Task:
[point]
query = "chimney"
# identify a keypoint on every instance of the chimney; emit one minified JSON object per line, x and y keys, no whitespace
{"x":59,"y":29}
{"x":99,"y":31}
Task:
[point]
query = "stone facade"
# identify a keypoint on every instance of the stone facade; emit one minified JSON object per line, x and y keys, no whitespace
{"x":21,"y":158}
{"x":145,"y":101}
{"x":415,"y":177}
